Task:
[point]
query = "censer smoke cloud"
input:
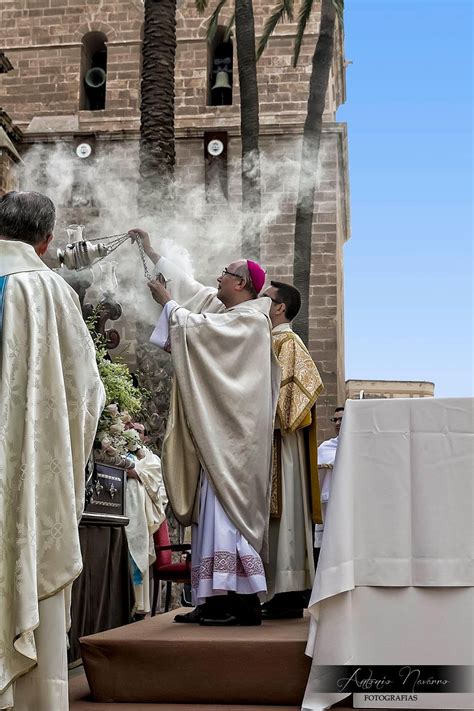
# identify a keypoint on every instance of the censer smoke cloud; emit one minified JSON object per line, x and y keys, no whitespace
{"x":202,"y":236}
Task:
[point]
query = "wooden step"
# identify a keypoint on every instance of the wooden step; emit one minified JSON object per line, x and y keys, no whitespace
{"x":157,"y":661}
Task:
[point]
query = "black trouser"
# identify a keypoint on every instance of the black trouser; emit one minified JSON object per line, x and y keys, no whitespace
{"x":294,"y":600}
{"x":237,"y":604}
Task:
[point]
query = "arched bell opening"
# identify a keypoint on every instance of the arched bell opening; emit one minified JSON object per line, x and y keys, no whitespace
{"x":220,"y":74}
{"x":93,"y":72}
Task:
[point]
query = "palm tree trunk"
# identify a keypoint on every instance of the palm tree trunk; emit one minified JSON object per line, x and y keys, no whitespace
{"x":318,"y":84}
{"x":249,"y":127}
{"x":157,"y":147}
{"x":157,"y":160}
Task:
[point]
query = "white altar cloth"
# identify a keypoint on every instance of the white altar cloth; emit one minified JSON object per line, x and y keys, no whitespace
{"x":399,"y":521}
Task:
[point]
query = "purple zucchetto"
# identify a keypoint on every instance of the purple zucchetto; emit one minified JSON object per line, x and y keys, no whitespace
{"x":257,"y":275}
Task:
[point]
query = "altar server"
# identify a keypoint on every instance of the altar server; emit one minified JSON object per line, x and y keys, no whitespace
{"x":295,"y":490}
{"x":146,"y":502}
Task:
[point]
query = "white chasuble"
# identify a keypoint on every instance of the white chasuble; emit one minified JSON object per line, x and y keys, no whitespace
{"x":51,"y":398}
{"x":326,"y":456}
{"x":145,"y":506}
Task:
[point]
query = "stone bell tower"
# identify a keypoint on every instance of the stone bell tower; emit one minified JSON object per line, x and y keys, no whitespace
{"x":54,"y":45}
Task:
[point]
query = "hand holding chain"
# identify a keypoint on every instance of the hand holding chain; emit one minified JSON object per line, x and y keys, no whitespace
{"x":84,"y":253}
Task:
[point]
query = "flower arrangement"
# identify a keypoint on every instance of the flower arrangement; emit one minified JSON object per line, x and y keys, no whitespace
{"x":116,"y":439}
{"x":116,"y":435}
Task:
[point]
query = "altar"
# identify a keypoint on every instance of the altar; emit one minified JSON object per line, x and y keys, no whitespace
{"x":102,"y":596}
{"x":394,"y":580}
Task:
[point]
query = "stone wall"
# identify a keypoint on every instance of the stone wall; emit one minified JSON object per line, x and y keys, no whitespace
{"x":44,"y":41}
{"x":7,"y":174}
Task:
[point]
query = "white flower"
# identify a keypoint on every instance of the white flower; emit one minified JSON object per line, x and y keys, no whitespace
{"x":117,"y":428}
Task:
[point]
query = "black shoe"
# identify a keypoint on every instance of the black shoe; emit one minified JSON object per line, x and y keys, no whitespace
{"x":293,"y":600}
{"x":227,"y":620}
{"x":193,"y":617}
{"x":281,"y":614}
{"x":250,"y":621}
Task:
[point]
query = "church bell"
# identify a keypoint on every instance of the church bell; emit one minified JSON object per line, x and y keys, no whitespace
{"x":222,"y":81}
{"x":95,"y":78}
{"x":221,"y":92}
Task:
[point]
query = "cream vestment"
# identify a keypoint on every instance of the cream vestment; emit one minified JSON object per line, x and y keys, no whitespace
{"x":51,"y":398}
{"x":218,"y":447}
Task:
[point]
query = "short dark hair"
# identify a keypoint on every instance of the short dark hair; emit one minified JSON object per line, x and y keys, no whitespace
{"x":26,"y":216}
{"x":290,"y":296}
{"x":339,"y":409}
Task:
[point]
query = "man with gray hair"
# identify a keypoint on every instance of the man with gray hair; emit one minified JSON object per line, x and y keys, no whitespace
{"x":218,"y":446}
{"x":51,"y":398}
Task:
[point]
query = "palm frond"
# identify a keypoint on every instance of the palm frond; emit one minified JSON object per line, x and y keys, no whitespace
{"x":303,"y":18}
{"x":214,"y":21}
{"x":339,"y":8}
{"x":284,"y":10}
{"x":201,"y":6}
{"x":229,"y":28}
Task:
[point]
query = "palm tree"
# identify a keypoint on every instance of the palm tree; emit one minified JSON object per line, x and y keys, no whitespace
{"x":157,"y":147}
{"x":243,"y":19}
{"x":318,"y":84}
{"x":157,"y":161}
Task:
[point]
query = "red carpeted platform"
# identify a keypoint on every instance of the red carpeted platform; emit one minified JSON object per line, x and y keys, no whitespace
{"x":163,"y":663}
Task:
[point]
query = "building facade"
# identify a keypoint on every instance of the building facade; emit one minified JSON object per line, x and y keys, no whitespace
{"x":53,"y":44}
{"x":386,"y":389}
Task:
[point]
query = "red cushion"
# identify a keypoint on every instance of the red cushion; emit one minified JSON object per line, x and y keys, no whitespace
{"x":161,"y":537}
{"x":174,"y":571}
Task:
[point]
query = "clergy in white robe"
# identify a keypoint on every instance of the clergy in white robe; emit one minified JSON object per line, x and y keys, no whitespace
{"x":146,"y":502}
{"x":218,"y":447}
{"x":326,"y":457}
{"x":51,"y":398}
{"x":295,"y":488}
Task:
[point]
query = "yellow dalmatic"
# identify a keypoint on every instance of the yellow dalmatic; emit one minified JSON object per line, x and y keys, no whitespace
{"x":300,"y":386}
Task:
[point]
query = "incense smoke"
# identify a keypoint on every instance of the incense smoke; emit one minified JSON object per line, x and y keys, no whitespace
{"x":202,"y":236}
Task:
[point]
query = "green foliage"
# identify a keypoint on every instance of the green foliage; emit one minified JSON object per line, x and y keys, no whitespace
{"x":214,"y":21}
{"x":339,"y":7}
{"x":212,"y":25}
{"x":229,"y":28}
{"x":303,"y":18}
{"x":118,"y":383}
{"x":284,"y":11}
{"x":201,"y":6}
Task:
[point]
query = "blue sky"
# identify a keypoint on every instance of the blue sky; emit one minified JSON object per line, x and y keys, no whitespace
{"x":408,"y":264}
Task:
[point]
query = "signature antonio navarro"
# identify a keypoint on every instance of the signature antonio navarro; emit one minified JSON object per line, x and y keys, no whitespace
{"x":400,"y":679}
